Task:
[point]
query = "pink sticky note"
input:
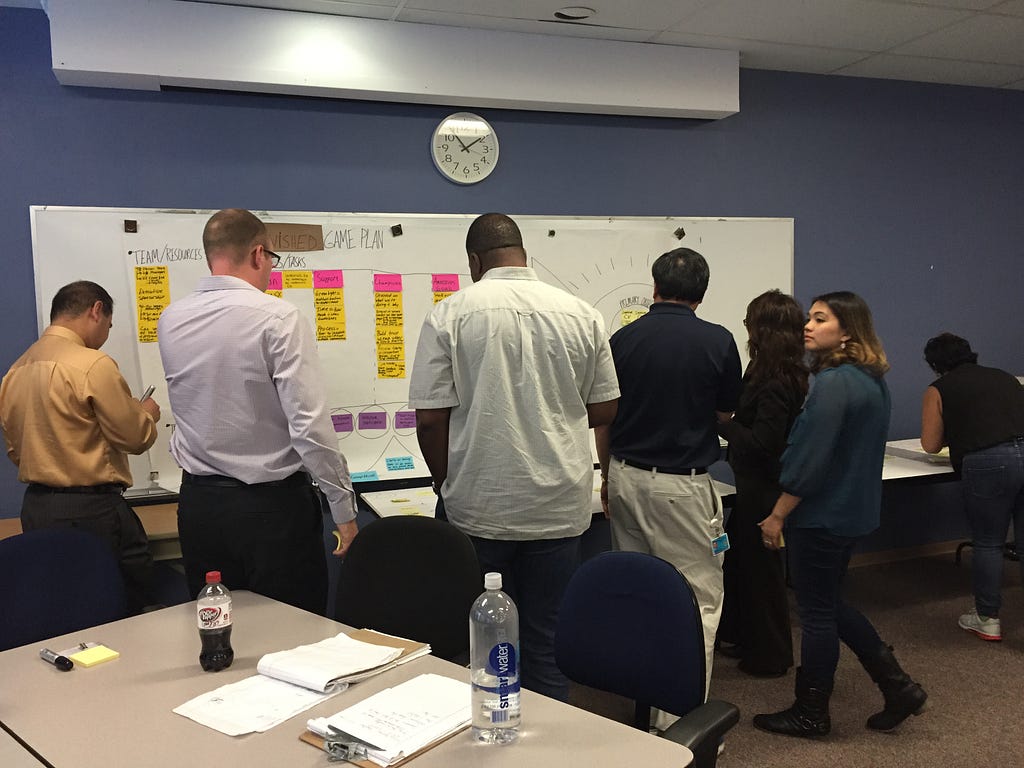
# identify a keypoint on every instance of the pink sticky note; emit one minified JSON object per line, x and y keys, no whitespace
{"x":445,"y":283}
{"x":342,"y":422}
{"x":387,"y":283}
{"x":373,"y":420}
{"x":328,"y":278}
{"x":405,"y":420}
{"x":276,"y":282}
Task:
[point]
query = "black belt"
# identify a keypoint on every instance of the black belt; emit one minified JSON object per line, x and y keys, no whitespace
{"x":223,"y":481}
{"x":664,"y":470}
{"x":98,"y":489}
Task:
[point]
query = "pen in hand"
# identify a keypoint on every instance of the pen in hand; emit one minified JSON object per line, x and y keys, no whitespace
{"x":63,"y":663}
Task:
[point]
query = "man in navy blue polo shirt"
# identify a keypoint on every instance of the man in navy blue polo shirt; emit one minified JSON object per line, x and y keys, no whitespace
{"x":676,"y":374}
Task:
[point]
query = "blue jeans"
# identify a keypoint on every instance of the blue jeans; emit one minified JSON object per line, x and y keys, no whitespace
{"x":993,"y":483}
{"x":817,"y":566}
{"x":534,"y":574}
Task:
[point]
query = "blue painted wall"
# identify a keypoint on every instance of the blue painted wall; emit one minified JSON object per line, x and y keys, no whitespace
{"x":910,"y":194}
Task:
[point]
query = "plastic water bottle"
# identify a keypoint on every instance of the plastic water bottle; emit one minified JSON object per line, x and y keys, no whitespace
{"x":213,"y":609}
{"x":494,"y":664}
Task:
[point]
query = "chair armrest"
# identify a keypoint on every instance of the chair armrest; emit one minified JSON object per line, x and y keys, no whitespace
{"x":701,"y":730}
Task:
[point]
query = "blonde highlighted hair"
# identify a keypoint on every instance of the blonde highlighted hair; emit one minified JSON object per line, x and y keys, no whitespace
{"x":863,"y":348}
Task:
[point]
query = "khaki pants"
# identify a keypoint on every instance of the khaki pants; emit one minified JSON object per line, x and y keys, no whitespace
{"x":673,"y":517}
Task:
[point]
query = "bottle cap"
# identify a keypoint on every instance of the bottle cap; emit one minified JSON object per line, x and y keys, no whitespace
{"x":213,"y":577}
{"x":492,"y":581}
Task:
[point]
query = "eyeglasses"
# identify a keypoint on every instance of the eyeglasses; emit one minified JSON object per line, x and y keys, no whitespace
{"x":274,"y":258}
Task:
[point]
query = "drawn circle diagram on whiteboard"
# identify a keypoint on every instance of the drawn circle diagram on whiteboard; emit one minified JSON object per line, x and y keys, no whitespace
{"x":612,"y":288}
{"x":623,"y":305}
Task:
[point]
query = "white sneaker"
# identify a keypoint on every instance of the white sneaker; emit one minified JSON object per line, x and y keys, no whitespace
{"x":985,"y":627}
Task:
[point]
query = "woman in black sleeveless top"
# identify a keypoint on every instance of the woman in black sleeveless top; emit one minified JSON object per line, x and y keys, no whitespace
{"x":979,"y":413}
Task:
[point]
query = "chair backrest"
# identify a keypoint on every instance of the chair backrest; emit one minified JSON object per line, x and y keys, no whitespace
{"x":55,"y":581}
{"x":411,"y":576}
{"x":629,"y":624}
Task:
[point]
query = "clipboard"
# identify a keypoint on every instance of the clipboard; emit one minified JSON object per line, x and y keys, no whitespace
{"x":318,"y":741}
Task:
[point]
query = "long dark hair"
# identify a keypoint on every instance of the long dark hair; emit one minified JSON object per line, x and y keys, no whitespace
{"x":775,"y":323}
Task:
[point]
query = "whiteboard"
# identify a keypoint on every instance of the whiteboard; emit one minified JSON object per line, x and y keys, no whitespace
{"x":414,"y":257}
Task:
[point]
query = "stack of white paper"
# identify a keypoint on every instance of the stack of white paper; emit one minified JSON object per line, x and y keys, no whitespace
{"x":323,"y":666}
{"x":289,"y":682}
{"x":399,"y":721}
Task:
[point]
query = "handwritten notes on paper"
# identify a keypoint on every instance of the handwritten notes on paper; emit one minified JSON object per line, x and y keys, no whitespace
{"x":444,"y":286}
{"x":389,"y":321}
{"x":292,"y":681}
{"x":401,"y":721}
{"x":329,"y":304}
{"x":152,"y":295}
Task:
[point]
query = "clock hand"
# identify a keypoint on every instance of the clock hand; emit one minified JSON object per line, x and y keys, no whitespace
{"x":464,"y":147}
{"x":474,"y":141}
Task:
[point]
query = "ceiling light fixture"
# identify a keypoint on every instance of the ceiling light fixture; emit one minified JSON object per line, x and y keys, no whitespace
{"x":574,"y":13}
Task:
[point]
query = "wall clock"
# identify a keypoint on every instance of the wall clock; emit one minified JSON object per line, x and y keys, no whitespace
{"x":465,"y":148}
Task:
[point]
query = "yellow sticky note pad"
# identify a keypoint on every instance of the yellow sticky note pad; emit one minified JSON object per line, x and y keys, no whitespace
{"x":90,"y":657}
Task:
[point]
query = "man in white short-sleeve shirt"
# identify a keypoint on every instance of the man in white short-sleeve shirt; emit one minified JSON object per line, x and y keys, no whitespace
{"x":510,"y":375}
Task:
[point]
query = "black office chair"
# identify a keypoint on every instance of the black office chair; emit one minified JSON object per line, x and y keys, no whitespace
{"x":415,"y":577}
{"x":629,"y":624}
{"x":55,"y":581}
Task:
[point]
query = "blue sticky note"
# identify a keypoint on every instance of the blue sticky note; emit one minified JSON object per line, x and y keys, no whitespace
{"x":365,"y":477}
{"x":400,"y":462}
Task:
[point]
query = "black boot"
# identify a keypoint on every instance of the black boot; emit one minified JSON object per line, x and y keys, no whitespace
{"x":808,"y":717}
{"x":903,"y":697}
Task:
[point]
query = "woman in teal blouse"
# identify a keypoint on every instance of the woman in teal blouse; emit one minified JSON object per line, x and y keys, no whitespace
{"x":832,"y":494}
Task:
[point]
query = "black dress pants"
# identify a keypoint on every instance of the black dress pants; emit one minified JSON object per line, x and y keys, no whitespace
{"x":755,"y":612}
{"x":267,"y":539}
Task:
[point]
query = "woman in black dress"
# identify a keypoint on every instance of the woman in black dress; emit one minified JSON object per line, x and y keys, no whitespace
{"x":755,"y":615}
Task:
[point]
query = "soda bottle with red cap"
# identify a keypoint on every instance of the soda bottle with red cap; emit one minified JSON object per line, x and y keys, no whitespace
{"x":213,"y":610}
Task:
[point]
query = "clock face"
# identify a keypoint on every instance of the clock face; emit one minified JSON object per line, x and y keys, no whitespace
{"x":464,"y":148}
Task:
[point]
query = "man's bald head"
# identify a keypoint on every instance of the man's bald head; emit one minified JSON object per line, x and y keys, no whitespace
{"x":494,"y":240}
{"x":231,"y":233}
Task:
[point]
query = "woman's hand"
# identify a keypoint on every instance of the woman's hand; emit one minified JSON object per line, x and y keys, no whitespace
{"x":771,"y":531}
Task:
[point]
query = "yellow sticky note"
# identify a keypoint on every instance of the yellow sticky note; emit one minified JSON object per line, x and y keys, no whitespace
{"x":96,"y":655}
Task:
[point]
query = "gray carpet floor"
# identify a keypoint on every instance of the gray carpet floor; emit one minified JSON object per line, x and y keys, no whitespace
{"x":975,"y":715}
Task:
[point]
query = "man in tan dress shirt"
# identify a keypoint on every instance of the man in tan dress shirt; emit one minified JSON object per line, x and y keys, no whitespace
{"x":69,"y":420}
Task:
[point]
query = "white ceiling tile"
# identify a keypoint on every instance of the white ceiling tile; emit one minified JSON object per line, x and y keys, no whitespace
{"x":956,"y":41}
{"x":868,"y":25}
{"x":1010,"y":7}
{"x":994,"y":39}
{"x":524,"y":25}
{"x":373,"y":9}
{"x":893,"y":67}
{"x":651,"y":15}
{"x":969,"y":5}
{"x":758,"y":55}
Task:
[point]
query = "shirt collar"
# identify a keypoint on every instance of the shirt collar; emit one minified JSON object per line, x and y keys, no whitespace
{"x":672,"y":307}
{"x":65,"y":333}
{"x":510,"y":273}
{"x":224,"y":283}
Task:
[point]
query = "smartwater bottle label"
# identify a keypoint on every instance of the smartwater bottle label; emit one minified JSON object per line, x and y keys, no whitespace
{"x":214,"y":616}
{"x":502,"y":659}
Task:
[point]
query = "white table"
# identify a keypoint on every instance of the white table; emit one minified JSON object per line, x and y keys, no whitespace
{"x":14,"y":755}
{"x":905,"y":459}
{"x":119,"y":713}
